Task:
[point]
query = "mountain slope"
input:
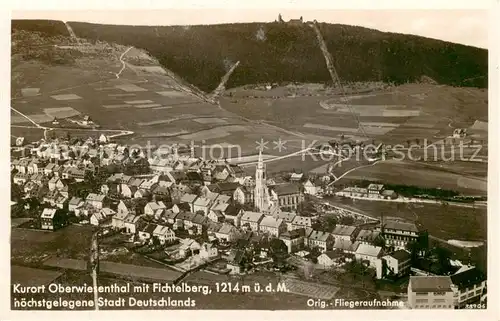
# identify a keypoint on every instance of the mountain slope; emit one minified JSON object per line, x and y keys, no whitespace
{"x":275,"y":52}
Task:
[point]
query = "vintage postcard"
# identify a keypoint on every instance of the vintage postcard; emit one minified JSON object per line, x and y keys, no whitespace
{"x":270,"y":159}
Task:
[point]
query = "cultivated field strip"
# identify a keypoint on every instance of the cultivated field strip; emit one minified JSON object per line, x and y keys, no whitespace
{"x":309,"y":289}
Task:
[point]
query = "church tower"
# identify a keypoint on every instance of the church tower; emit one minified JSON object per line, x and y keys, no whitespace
{"x":261,"y":196}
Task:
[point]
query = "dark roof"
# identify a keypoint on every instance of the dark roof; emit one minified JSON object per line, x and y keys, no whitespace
{"x":184,"y":206}
{"x":467,"y":278}
{"x":150,"y":228}
{"x":178,"y":175}
{"x":225,"y":187}
{"x":294,"y":234}
{"x":236,"y":256}
{"x":199,"y":219}
{"x":194,"y":176}
{"x":401,"y":255}
{"x":232,"y":210}
{"x":286,"y":189}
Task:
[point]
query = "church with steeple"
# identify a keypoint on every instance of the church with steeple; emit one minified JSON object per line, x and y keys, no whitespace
{"x":262,"y":198}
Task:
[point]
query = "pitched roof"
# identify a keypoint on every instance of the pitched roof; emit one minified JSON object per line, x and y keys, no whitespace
{"x":343,"y":244}
{"x":369,"y":250}
{"x":343,"y":230}
{"x":430,"y":283}
{"x":332,"y":254}
{"x":48,"y":213}
{"x":188,"y":198}
{"x":269,"y":221}
{"x":169,"y":214}
{"x":291,"y":235}
{"x":467,"y":278}
{"x":150,"y":228}
{"x":319,"y":236}
{"x":286,"y":189}
{"x":226,"y":229}
{"x":202,"y":201}
{"x":95,"y":197}
{"x":225,"y":187}
{"x":302,"y":220}
{"x":401,"y":255}
{"x":286,"y":216}
{"x":367,"y":235}
{"x":253,"y":217}
{"x":75,"y":200}
{"x":398,"y":225}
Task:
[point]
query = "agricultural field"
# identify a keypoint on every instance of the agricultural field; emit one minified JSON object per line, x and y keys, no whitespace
{"x":418,"y":174}
{"x":33,"y":247}
{"x":442,"y":221}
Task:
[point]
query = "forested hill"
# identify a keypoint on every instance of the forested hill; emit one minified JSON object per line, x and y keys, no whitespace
{"x":279,"y":52}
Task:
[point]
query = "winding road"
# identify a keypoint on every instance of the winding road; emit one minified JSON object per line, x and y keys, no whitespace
{"x":123,"y":62}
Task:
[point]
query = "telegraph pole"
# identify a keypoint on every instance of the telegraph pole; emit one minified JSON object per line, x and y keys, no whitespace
{"x":94,"y":265}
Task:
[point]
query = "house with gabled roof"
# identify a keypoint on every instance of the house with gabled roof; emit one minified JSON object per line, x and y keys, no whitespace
{"x":99,"y":219}
{"x":345,"y":232}
{"x":75,"y":203}
{"x":190,"y":199}
{"x":302,"y":222}
{"x":227,"y":233}
{"x":243,"y":195}
{"x":251,"y":219}
{"x":201,"y":204}
{"x":398,"y":262}
{"x":294,"y":239}
{"x":346,"y":246}
{"x":216,"y":216}
{"x":368,"y":236}
{"x":370,"y":253}
{"x":146,"y":232}
{"x":164,"y":234}
{"x":95,"y":200}
{"x":287,"y":217}
{"x":272,"y":226}
{"x":152,"y":207}
{"x":322,"y":240}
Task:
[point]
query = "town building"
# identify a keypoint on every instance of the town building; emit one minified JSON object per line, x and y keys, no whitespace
{"x":369,"y":253}
{"x":344,"y":232}
{"x":398,"y":234}
{"x":272,"y":226}
{"x":322,"y":240}
{"x":252,"y":220}
{"x":288,"y":196}
{"x":294,"y":240}
{"x":330,"y":258}
{"x":468,"y":285}
{"x":398,"y":263}
{"x":430,"y":292}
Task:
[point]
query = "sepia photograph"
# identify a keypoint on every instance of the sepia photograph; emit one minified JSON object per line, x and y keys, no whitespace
{"x":211,"y":159}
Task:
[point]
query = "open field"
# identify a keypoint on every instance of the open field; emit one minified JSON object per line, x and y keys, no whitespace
{"x":32,"y":277}
{"x":390,"y":172}
{"x":33,"y":246}
{"x":63,"y":263}
{"x":446,"y":222}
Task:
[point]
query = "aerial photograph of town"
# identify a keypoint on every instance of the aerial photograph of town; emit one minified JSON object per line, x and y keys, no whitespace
{"x":288,"y":164}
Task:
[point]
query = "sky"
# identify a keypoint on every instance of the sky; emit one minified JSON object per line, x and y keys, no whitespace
{"x":465,"y":26}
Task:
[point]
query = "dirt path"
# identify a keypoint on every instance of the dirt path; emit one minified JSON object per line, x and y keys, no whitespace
{"x":123,"y":62}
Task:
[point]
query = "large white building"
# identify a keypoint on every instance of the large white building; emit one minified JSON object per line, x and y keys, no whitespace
{"x":468,"y":286}
{"x":430,"y":292}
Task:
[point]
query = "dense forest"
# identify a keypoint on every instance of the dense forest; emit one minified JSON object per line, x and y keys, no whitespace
{"x":279,"y":52}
